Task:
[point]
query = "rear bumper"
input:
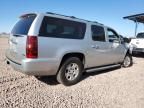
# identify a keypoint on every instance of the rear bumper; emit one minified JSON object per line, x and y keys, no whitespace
{"x":36,"y":67}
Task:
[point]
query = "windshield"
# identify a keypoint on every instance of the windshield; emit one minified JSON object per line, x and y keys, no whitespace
{"x":23,"y":25}
{"x":140,"y":35}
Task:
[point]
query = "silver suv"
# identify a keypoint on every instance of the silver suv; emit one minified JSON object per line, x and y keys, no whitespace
{"x":65,"y":46}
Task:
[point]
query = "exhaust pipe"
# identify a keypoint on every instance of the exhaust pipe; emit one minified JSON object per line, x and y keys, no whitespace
{"x":8,"y":62}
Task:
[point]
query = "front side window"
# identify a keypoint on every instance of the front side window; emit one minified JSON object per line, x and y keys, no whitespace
{"x":113,"y":36}
{"x":98,"y":33}
{"x":61,"y":28}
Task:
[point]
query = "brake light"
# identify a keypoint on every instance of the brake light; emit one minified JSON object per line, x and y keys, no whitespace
{"x":32,"y":47}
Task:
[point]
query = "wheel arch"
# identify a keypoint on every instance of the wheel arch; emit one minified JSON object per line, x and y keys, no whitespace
{"x":128,"y":52}
{"x":79,"y":55}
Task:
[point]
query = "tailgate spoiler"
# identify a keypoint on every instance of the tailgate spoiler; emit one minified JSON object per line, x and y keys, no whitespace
{"x":27,"y":15}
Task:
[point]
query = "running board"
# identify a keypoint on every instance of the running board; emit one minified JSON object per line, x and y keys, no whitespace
{"x":102,"y":68}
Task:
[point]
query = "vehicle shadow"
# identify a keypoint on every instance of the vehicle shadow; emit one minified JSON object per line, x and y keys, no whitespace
{"x":139,"y":55}
{"x":86,"y":75}
{"x":51,"y":80}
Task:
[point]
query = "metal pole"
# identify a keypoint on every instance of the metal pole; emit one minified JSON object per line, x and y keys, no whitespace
{"x":136,"y":28}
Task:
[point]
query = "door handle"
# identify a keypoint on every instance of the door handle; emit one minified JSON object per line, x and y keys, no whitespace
{"x":95,"y":46}
{"x":112,"y":46}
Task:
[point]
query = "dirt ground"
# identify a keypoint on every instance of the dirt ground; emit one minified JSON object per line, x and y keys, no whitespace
{"x":116,"y":88}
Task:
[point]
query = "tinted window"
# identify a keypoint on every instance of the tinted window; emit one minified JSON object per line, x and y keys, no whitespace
{"x":98,"y":33}
{"x":140,"y":35}
{"x":23,"y":25}
{"x":61,"y":28}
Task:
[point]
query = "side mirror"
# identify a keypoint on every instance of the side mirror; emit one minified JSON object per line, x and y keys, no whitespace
{"x":126,"y":40}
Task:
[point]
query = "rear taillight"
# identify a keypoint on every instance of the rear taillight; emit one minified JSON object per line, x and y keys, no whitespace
{"x":32,"y":47}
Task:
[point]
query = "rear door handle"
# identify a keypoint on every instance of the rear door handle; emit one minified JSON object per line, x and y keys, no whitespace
{"x":95,"y":46}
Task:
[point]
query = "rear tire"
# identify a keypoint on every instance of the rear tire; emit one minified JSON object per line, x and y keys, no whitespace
{"x":127,"y":61}
{"x":70,"y":72}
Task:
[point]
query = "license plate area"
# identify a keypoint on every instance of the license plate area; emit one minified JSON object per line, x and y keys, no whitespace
{"x":13,"y":43}
{"x":13,"y":48}
{"x":13,"y":54}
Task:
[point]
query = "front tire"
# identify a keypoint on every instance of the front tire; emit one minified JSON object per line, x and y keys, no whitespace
{"x":70,"y":72}
{"x":127,"y":61}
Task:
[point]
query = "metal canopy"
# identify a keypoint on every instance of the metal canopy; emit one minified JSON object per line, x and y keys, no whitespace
{"x":136,"y":18}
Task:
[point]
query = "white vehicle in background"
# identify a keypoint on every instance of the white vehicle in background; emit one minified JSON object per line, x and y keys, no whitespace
{"x":137,"y":43}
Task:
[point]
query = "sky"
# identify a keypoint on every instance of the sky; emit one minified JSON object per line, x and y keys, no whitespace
{"x":107,"y":12}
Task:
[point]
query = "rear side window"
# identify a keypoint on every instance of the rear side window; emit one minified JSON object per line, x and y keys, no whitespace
{"x":23,"y":25}
{"x":61,"y":28}
{"x":140,"y":35}
{"x":98,"y":33}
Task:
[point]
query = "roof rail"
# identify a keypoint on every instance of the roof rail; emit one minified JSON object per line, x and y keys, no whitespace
{"x":60,"y":14}
{"x":72,"y":17}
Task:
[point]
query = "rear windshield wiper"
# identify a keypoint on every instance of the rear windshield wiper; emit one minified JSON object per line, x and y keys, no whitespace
{"x":18,"y":35}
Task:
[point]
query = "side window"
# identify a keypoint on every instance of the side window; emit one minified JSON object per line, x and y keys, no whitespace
{"x":113,"y":36}
{"x":98,"y":33}
{"x":61,"y":28}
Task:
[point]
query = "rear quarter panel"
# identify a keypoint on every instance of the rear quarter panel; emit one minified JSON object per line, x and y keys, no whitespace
{"x":56,"y":48}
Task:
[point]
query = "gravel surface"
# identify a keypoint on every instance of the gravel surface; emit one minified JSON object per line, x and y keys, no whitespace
{"x":116,"y":88}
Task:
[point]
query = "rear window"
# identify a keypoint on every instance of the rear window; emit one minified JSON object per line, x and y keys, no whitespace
{"x":61,"y":28}
{"x":23,"y":25}
{"x":140,"y":35}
